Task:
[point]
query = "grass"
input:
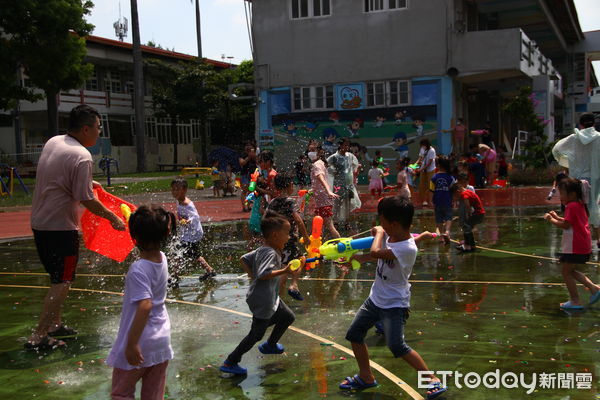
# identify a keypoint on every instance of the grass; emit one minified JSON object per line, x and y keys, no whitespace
{"x":161,"y":184}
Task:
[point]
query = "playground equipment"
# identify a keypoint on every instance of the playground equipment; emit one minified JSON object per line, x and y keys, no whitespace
{"x":8,"y":175}
{"x":104,"y":164}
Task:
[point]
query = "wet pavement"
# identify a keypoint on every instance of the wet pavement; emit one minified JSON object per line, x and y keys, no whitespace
{"x":478,"y":312}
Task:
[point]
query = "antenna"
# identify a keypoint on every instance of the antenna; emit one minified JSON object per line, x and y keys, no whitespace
{"x":120,"y":26}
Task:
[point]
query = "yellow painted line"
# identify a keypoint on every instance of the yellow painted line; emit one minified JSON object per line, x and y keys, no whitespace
{"x":379,"y":368}
{"x":320,"y":279}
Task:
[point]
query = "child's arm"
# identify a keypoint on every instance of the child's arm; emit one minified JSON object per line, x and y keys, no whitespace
{"x":133,"y":353}
{"x":246,"y":268}
{"x":301,"y":227}
{"x":467,"y":207}
{"x":423,"y":236}
{"x":276,"y":272}
{"x":377,"y":252}
{"x":321,"y":179}
{"x":561,"y":223}
{"x":361,"y":258}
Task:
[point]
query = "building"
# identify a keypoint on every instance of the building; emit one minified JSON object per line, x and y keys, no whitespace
{"x":369,"y":69}
{"x":110,"y":91}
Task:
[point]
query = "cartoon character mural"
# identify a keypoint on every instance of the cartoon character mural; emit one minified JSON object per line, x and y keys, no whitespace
{"x":329,"y":136}
{"x":335,"y":118}
{"x":351,"y":98}
{"x":354,"y":127}
{"x":379,"y":121}
{"x":401,"y":144}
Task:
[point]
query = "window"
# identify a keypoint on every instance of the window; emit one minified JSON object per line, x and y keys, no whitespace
{"x":382,"y":5}
{"x":310,"y":8}
{"x":105,"y":126}
{"x":388,"y":93}
{"x":313,"y":98}
{"x":92,"y":82}
{"x":112,"y":81}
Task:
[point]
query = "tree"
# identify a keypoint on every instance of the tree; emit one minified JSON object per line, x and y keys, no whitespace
{"x":138,"y":91}
{"x":47,"y":39}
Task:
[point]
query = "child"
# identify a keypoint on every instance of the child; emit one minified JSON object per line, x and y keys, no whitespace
{"x":375,"y":180}
{"x":265,"y":162}
{"x":323,"y":197}
{"x":286,"y":206}
{"x":557,"y":180}
{"x":470,"y":213}
{"x":190,"y":233}
{"x":142,"y":349}
{"x":262,"y":298}
{"x":228,"y":181}
{"x":576,"y":242}
{"x":381,"y":166}
{"x":217,"y":179}
{"x":395,"y":251}
{"x":404,"y":178}
{"x":442,"y":199}
{"x":463,"y":180}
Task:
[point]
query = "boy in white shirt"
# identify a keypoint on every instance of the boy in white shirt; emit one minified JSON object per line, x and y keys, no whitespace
{"x":395,"y":251}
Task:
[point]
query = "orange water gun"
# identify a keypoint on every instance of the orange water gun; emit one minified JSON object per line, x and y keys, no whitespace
{"x":305,"y":195}
{"x":253,"y":177}
{"x":316,"y":241}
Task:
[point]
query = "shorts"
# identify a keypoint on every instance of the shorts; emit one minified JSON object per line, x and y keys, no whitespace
{"x":573,"y":258}
{"x":290,"y":251}
{"x":188,"y":250}
{"x":442,"y":214}
{"x":324,"y":212}
{"x":393,"y":320}
{"x":59,"y":253}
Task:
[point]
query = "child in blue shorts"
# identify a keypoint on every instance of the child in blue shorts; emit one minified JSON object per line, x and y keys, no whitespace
{"x":395,"y":251}
{"x":442,"y":198}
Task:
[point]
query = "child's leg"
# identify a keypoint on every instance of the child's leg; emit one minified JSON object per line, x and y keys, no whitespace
{"x":154,"y":381}
{"x":282,"y":319}
{"x":567,"y":273}
{"x":331,"y":227}
{"x":585,"y":281}
{"x":364,"y":320}
{"x":257,"y":331}
{"x":204,"y":264}
{"x":361,"y":353}
{"x":123,"y":383}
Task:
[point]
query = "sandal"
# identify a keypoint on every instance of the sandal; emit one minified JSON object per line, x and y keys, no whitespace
{"x":47,"y":343}
{"x":439,"y":389}
{"x":356,"y":383}
{"x":63,"y":331}
{"x":233,"y":369}
{"x":207,"y":275}
{"x":295,"y":294}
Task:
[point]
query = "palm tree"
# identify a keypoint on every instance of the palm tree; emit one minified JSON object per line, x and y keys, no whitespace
{"x":138,"y":97}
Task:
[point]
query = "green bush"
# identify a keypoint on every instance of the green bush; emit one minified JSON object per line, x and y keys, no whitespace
{"x":534,"y":176}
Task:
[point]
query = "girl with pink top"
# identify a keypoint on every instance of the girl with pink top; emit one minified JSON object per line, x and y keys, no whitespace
{"x":142,"y":349}
{"x":323,"y":197}
{"x":576,"y":242}
{"x":489,"y":160}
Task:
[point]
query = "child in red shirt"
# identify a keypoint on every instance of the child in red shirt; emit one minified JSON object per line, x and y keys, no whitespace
{"x":470,"y":213}
{"x":576,"y":242}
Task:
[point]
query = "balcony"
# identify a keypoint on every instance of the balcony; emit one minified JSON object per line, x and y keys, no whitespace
{"x":498,"y":54}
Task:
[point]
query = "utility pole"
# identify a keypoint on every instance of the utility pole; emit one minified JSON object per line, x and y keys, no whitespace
{"x":138,"y":97}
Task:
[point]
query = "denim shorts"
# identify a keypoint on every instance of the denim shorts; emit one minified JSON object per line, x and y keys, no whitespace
{"x":442,"y":214}
{"x":393,"y":320}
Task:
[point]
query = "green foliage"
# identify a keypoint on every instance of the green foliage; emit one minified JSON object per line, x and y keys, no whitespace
{"x":528,"y":177}
{"x":522,"y":109}
{"x":46,"y":38}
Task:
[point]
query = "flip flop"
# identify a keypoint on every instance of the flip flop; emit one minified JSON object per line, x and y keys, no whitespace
{"x":569,"y":306}
{"x":440,"y":389}
{"x":356,"y":383}
{"x":295,"y":294}
{"x":63,"y":331}
{"x":595,"y":297}
{"x":47,"y":343}
{"x":233,"y":369}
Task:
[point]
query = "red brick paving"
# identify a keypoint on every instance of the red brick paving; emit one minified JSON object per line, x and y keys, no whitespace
{"x":15,"y":224}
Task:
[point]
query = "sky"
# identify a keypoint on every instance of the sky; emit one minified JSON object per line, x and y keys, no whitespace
{"x":171,"y":24}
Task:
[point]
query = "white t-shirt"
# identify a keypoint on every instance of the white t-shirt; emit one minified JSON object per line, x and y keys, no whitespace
{"x":391,"y":288}
{"x":192,"y":230}
{"x":145,"y":280}
{"x":430,"y":155}
{"x":63,"y":180}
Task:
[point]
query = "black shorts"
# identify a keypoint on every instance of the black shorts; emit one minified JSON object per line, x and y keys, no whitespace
{"x":190,"y":251}
{"x":573,"y":258}
{"x":59,"y":253}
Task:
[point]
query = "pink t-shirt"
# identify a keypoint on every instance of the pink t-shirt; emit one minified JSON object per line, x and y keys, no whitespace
{"x":577,"y":239}
{"x":320,"y":197}
{"x":145,"y":280}
{"x":63,"y":180}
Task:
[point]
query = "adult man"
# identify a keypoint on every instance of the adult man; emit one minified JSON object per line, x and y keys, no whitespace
{"x":580,"y":152}
{"x":64,"y":180}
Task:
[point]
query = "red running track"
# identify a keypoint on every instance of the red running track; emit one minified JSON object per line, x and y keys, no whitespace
{"x":15,"y":224}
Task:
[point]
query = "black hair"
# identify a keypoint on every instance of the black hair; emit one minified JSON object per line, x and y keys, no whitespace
{"x":587,"y":120}
{"x":462,"y":177}
{"x":375,"y":163}
{"x":283,"y":180}
{"x":572,"y":185}
{"x":397,"y":209}
{"x":426,"y":143}
{"x":81,"y":116}
{"x":443,"y":163}
{"x":272,"y":222}
{"x":265,"y":156}
{"x":150,"y":226}
{"x":179,"y":182}
{"x":321,"y":155}
{"x":455,"y":187}
{"x":405,"y":162}
{"x":560,"y":176}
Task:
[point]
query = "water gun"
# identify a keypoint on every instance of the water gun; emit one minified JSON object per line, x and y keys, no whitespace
{"x":342,"y":249}
{"x":414,"y":166}
{"x":253,"y":177}
{"x":479,"y":132}
{"x":313,"y":247}
{"x":306,"y":195}
{"x":126,"y":211}
{"x":250,"y":198}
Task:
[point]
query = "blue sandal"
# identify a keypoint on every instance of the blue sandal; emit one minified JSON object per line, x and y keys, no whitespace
{"x":433,"y":386}
{"x":356,"y":383}
{"x":266,"y":348}
{"x":233,"y":369}
{"x":595,"y":297}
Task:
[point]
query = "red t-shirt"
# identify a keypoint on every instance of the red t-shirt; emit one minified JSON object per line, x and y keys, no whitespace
{"x":577,"y":239}
{"x":474,"y":201}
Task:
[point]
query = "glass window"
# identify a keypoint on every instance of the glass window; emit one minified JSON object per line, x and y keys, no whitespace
{"x":382,"y":5}
{"x":310,"y":8}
